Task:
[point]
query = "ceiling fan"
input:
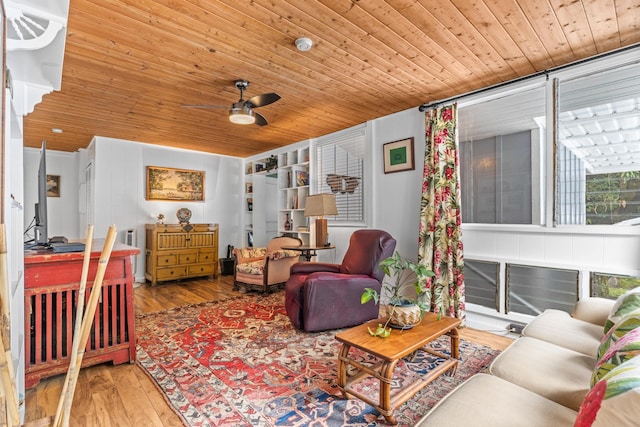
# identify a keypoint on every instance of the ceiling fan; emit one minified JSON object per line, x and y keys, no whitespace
{"x":241,"y":112}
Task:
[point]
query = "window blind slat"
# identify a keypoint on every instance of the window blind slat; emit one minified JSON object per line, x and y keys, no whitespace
{"x":340,"y":168}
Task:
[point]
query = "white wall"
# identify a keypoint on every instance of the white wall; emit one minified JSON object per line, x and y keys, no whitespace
{"x":63,"y":210}
{"x":120,"y":187}
{"x":395,"y":197}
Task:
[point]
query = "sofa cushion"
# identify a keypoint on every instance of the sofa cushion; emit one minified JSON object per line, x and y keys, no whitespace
{"x":254,"y":267}
{"x":623,"y":325}
{"x":593,"y":309}
{"x":613,"y":401}
{"x":615,"y":352}
{"x":627,"y":305}
{"x":558,"y":327}
{"x":487,"y":401}
{"x":554,"y":372}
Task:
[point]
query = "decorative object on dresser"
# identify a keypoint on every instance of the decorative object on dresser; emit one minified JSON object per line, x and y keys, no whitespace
{"x":176,"y":251}
{"x":184,"y":215}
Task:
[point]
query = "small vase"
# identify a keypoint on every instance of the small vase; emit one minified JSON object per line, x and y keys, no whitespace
{"x":404,"y":315}
{"x":287,"y":223}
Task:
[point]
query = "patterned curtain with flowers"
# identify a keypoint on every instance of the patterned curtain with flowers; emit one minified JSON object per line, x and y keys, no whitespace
{"x":440,"y":236}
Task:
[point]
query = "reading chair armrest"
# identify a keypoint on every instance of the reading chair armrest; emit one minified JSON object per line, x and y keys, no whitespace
{"x":314,"y":267}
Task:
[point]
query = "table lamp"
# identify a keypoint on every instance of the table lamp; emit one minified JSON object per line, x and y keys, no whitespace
{"x":320,"y":205}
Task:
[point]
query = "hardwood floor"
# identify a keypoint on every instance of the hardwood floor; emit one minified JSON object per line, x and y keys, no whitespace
{"x":123,"y":395}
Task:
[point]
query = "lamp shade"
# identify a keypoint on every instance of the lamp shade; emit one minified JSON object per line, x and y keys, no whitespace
{"x":241,"y":116}
{"x":320,"y":205}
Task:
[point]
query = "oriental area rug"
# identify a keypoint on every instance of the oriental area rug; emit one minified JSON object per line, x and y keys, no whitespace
{"x":239,"y":362}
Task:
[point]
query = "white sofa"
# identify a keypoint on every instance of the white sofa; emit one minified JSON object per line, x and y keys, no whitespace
{"x":545,"y":377}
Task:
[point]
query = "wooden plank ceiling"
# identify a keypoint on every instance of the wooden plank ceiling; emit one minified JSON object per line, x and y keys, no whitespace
{"x":129,"y":65}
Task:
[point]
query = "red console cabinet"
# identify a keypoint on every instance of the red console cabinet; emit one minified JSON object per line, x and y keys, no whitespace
{"x":52,"y":281}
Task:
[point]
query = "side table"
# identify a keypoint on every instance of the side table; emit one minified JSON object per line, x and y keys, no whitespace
{"x":307,"y":251}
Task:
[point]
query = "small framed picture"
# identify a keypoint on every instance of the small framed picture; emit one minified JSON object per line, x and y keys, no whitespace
{"x":302,"y":178}
{"x":398,"y":156}
{"x":53,"y":185}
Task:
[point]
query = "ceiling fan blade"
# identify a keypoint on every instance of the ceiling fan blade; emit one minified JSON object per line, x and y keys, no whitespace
{"x":262,"y":100}
{"x":205,"y":106}
{"x":260,"y":120}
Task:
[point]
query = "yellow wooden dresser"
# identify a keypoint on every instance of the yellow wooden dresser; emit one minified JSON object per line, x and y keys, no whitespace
{"x":179,"y":251}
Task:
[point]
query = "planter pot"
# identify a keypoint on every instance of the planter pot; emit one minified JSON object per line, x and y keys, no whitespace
{"x":403,"y":315}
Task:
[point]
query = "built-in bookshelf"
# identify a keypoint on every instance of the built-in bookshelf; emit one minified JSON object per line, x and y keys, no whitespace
{"x":260,"y":191}
{"x":248,"y":208}
{"x":293,"y":184}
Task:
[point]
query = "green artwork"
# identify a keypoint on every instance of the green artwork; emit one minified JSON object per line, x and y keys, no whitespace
{"x":398,"y":156}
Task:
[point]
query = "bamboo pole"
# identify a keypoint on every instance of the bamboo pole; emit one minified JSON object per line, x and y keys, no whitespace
{"x":6,"y":359}
{"x":87,"y":321}
{"x":77,"y":325}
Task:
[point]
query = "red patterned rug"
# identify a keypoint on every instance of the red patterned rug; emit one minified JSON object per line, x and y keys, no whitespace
{"x":239,"y":362}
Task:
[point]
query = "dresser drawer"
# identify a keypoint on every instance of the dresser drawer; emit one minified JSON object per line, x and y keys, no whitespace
{"x":201,"y":269}
{"x":176,"y":251}
{"x":166,"y":260}
{"x":208,"y":256}
{"x":171,"y":273}
{"x":187,"y":258}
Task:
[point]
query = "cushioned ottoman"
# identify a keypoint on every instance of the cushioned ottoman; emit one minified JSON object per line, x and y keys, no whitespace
{"x":487,"y":401}
{"x":554,"y":372}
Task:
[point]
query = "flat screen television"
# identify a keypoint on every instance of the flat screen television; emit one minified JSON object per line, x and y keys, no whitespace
{"x":41,"y":237}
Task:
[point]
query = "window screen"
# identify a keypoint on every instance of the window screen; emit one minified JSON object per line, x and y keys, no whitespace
{"x":481,"y":283}
{"x":531,"y":290}
{"x":340,"y":170}
{"x":599,"y":148}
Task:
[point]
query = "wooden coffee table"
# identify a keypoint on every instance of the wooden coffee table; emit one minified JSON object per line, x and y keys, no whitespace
{"x":389,"y":351}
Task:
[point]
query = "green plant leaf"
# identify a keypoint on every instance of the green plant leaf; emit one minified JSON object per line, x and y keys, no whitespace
{"x":368,"y":294}
{"x":380,"y":331}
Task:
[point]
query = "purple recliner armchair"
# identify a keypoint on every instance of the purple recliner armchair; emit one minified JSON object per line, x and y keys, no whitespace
{"x":321,"y":296}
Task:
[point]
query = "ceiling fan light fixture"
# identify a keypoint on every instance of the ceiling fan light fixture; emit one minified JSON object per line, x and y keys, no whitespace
{"x":242,"y":116}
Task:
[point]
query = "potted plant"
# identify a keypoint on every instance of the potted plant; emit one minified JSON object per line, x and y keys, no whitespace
{"x":403,"y":311}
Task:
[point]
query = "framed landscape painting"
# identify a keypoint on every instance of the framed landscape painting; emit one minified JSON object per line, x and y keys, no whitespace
{"x":174,"y":184}
{"x":398,"y":156}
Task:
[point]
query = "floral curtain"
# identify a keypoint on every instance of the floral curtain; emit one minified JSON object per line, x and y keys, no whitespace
{"x":440,"y":236}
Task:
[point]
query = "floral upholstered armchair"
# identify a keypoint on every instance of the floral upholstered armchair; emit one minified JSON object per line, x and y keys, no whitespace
{"x":266,"y":267}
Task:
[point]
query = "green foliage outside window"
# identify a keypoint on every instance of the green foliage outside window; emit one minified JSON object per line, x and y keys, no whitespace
{"x":610,"y":286}
{"x":612,"y":197}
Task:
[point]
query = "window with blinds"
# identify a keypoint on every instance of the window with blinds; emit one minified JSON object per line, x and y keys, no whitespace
{"x":340,"y":170}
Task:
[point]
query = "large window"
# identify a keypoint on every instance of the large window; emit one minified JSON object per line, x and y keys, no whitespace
{"x":503,"y":148}
{"x":340,"y":170}
{"x":598,"y":163}
{"x":500,"y":158}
